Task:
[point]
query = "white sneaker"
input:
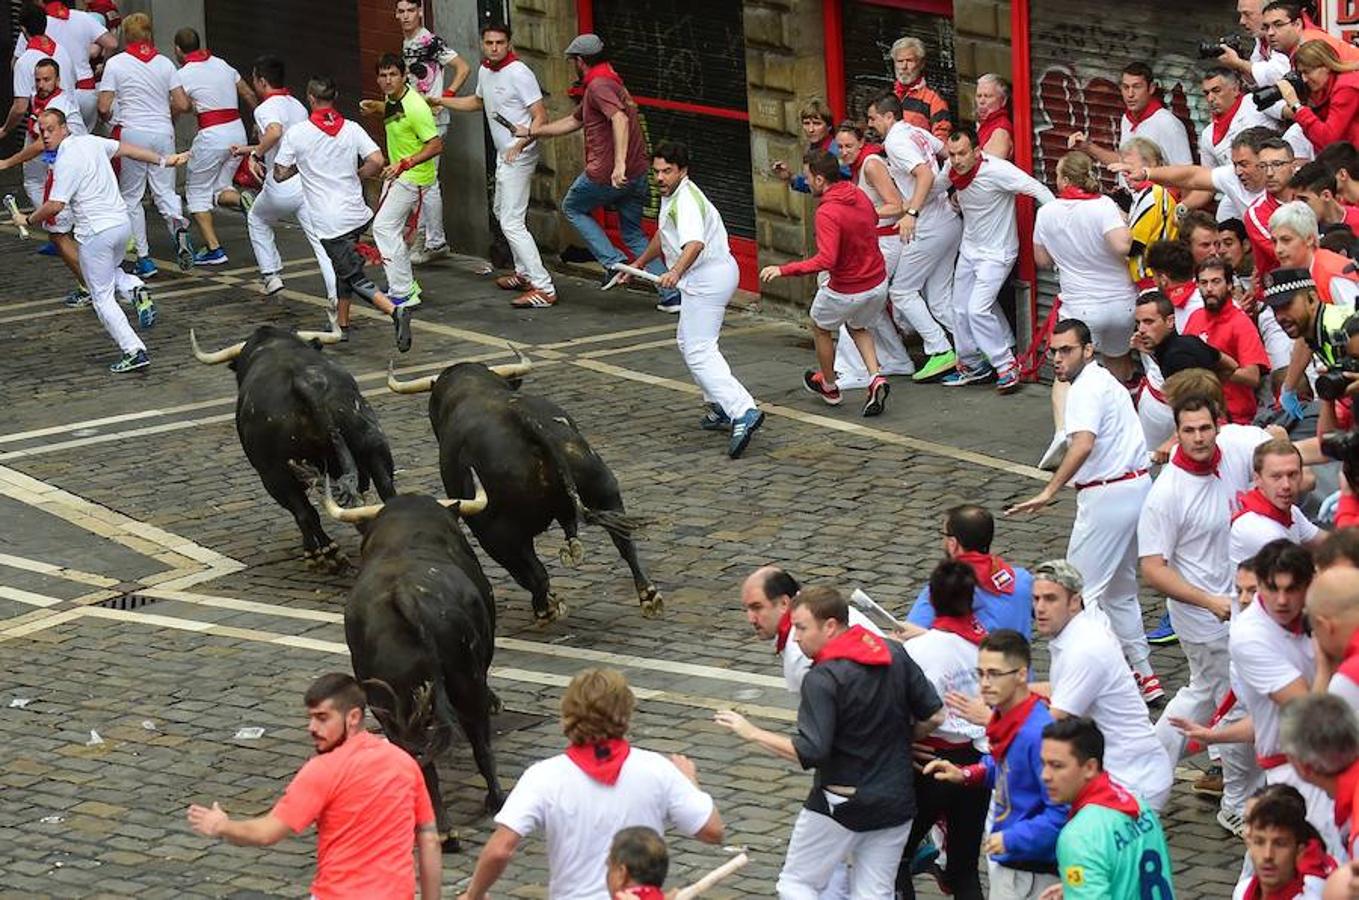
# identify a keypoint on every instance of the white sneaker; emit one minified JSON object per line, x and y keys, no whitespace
{"x":1052,"y":457}
{"x":1232,"y":821}
{"x":428,"y":254}
{"x":271,"y":284}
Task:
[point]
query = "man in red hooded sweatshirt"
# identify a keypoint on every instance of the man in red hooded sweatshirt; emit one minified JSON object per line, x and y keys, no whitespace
{"x":856,"y":294}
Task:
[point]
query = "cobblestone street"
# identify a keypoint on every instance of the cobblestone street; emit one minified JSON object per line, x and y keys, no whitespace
{"x":152,"y":593}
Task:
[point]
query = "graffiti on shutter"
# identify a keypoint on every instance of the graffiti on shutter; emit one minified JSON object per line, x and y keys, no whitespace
{"x":870,"y":30}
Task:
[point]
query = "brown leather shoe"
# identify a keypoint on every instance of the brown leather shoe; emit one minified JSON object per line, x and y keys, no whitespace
{"x":515,"y":282}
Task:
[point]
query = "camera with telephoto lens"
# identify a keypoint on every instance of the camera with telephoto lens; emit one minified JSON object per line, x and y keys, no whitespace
{"x":1270,"y":94}
{"x":1332,"y":384}
{"x":1213,"y":49}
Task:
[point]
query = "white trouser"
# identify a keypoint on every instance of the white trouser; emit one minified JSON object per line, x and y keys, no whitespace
{"x":512,"y":188}
{"x":818,"y":844}
{"x":35,"y":178}
{"x":706,"y":289}
{"x":1157,"y":418}
{"x":388,"y":227}
{"x":1320,"y":808}
{"x":1241,"y":774}
{"x":1016,"y":884}
{"x":133,"y":177}
{"x":211,"y":166}
{"x":101,"y":255}
{"x":980,"y":329}
{"x":432,"y":216}
{"x":1198,"y":700}
{"x":850,"y":371}
{"x":275,"y":202}
{"x":87,"y":100}
{"x":926,"y":265}
{"x":1103,"y":548}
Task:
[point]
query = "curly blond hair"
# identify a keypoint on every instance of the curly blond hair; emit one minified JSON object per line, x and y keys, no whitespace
{"x":597,"y":706}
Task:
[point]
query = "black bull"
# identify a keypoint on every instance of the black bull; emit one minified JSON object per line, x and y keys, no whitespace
{"x":537,"y":468}
{"x":299,"y":415}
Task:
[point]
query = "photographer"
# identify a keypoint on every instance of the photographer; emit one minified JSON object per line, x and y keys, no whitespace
{"x":1286,"y":29}
{"x":1292,"y":295}
{"x":1263,"y":66}
{"x":1332,"y":110}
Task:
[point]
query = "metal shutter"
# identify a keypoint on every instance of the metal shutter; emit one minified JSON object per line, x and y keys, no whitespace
{"x":870,"y":30}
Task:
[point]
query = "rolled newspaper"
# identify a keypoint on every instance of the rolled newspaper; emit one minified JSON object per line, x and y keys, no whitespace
{"x":620,"y":269}
{"x":707,"y":881}
{"x":876,"y":614}
{"x":13,"y":207}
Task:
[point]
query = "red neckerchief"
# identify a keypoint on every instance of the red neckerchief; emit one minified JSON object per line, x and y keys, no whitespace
{"x":901,"y":89}
{"x":1208,"y":467}
{"x":601,"y":70}
{"x":645,"y":892}
{"x":1071,"y":192}
{"x":1223,"y":122}
{"x":967,"y":627}
{"x":1264,"y":48}
{"x":197,"y":56}
{"x":142,"y":50}
{"x":43,"y":44}
{"x":960,"y":182}
{"x":865,"y":152}
{"x":1346,"y":784}
{"x":1312,"y":860}
{"x":785,"y":629}
{"x":1256,"y":502}
{"x":328,"y":120}
{"x":998,"y":120}
{"x":1179,"y":294}
{"x":57,"y":10}
{"x":993,"y":573}
{"x":1102,"y":791}
{"x":1004,"y":726}
{"x":497,"y":66}
{"x":108,"y":9}
{"x":1154,"y":105}
{"x":602,"y":760}
{"x":277,"y":92}
{"x":35,"y":107}
{"x":1293,"y":627}
{"x":856,"y":644}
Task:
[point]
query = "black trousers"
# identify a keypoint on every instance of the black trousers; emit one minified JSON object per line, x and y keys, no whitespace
{"x":963,"y":810}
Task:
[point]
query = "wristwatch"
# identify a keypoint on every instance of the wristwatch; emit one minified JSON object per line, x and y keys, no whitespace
{"x":913,"y":213}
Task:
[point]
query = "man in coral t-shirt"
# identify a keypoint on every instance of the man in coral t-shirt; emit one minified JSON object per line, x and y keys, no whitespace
{"x":366,"y":797}
{"x":1222,"y":325}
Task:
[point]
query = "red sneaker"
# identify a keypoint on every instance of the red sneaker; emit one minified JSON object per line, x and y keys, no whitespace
{"x":815,"y":384}
{"x":515,"y":282}
{"x":1150,"y":685}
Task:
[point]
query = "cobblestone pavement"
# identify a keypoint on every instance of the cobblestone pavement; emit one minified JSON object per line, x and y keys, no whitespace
{"x":133,"y":492}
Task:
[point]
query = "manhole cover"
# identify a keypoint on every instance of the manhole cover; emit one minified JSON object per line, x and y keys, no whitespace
{"x":130,"y":600}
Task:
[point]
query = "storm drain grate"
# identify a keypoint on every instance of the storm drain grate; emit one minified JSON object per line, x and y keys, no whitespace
{"x":128,"y":601}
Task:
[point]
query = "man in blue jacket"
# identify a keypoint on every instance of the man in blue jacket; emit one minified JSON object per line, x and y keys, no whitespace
{"x":1004,"y":595}
{"x":1022,"y":846}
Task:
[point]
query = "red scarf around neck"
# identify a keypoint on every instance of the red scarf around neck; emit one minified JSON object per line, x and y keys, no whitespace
{"x":856,"y":644}
{"x":602,"y":760}
{"x":1252,"y":501}
{"x":497,"y":66}
{"x":35,"y":108}
{"x":901,"y":90}
{"x":994,"y":575}
{"x":328,"y":120}
{"x":277,"y":92}
{"x":57,"y":10}
{"x":960,"y":182}
{"x":785,"y":629}
{"x":998,"y":120}
{"x":143,"y":50}
{"x":1223,"y":122}
{"x":645,"y":892}
{"x":1349,"y":666}
{"x":1154,"y":105}
{"x":865,"y":152}
{"x":1102,"y":791}
{"x":1346,"y":784}
{"x":601,"y":70}
{"x":1312,"y":860}
{"x":1294,"y":627}
{"x":967,"y":627}
{"x":1179,"y":294}
{"x":1071,"y":192}
{"x":1208,"y":467}
{"x":1004,"y":726}
{"x":43,"y":44}
{"x":197,"y":56}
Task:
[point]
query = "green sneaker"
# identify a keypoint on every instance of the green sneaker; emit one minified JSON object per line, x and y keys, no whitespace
{"x":145,"y":306}
{"x":936,"y":366}
{"x":130,"y":362}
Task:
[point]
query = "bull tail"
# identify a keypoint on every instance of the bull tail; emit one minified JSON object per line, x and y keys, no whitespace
{"x":615,"y":522}
{"x":428,"y":728}
{"x":349,"y":484}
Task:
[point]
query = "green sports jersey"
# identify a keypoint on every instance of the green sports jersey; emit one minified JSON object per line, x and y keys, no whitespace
{"x":410,"y":123}
{"x":1103,"y":854}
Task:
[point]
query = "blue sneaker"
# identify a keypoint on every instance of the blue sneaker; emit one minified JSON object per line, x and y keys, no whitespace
{"x":47,"y":249}
{"x":77,"y":298}
{"x":715,"y":419}
{"x":146,"y":308}
{"x":671,"y":306}
{"x":144,"y":267}
{"x":206,"y":257}
{"x":1007,"y":382}
{"x":131,"y":362}
{"x":964,"y":376}
{"x":925,"y":855}
{"x":1164,"y":633}
{"x":742,"y":430}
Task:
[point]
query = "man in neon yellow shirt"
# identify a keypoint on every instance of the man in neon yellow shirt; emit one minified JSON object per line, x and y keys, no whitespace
{"x":1112,"y":847}
{"x":413,"y":148}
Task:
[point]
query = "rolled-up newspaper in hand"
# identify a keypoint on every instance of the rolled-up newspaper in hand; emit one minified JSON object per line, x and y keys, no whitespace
{"x":707,"y":881}
{"x":12,"y":205}
{"x":876,"y":614}
{"x":621,"y":269}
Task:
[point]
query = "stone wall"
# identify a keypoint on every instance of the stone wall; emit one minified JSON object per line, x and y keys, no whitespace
{"x":981,"y":44}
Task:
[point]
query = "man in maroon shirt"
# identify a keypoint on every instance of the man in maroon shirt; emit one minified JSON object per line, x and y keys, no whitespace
{"x":616,"y":160}
{"x":856,"y":294}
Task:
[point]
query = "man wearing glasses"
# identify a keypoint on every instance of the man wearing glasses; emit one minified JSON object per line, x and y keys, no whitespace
{"x":1241,"y":184}
{"x":1106,"y":459}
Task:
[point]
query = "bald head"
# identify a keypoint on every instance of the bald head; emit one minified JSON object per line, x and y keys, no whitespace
{"x":1333,"y":609}
{"x":765,"y":598}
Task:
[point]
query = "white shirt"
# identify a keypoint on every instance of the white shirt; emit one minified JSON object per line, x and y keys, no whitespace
{"x":876,"y":161}
{"x":1238,"y":443}
{"x":509,"y":92}
{"x":1345,"y":689}
{"x":1313,"y":888}
{"x":908,"y":147}
{"x":1166,"y":131}
{"x":1097,"y":403}
{"x":83,"y":179}
{"x":949,"y":662}
{"x":283,"y":110}
{"x":796,"y":664}
{"x":580,"y":816}
{"x":428,"y":48}
{"x":1266,"y":658}
{"x":1090,"y":679}
{"x":1267,"y":66}
{"x":1072,"y":231}
{"x":1248,"y":115}
{"x":988,"y":206}
{"x":64,"y":101}
{"x":1302,"y":148}
{"x":686,"y":216}
{"x":210,"y":84}
{"x":329,"y":169}
{"x":75,"y":34}
{"x":28,"y":61}
{"x":1251,"y":531}
{"x":142,"y":90}
{"x":1235,"y":198}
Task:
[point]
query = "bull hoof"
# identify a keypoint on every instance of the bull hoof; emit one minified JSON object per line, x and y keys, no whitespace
{"x":555,"y":609}
{"x":494,"y":800}
{"x":573,"y":554}
{"x":332,"y":559}
{"x":653,"y":604}
{"x":450,"y":843}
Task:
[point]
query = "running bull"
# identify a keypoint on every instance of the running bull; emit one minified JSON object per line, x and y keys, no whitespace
{"x":420,"y":625}
{"x":537,"y":468}
{"x":299,"y":414}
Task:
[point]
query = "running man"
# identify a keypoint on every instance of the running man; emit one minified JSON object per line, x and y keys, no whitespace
{"x":699,"y":263}
{"x":83,"y":36}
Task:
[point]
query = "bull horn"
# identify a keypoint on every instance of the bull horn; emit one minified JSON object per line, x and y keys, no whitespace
{"x":514,"y":370}
{"x":351,"y":516}
{"x":471,"y":507}
{"x":226,"y":354}
{"x":333,"y":336}
{"x":416,"y":386}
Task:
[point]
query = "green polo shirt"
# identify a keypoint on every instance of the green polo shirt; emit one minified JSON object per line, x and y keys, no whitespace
{"x":410,"y":124}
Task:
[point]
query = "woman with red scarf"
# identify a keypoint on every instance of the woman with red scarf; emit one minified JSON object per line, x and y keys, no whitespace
{"x":1332,"y":110}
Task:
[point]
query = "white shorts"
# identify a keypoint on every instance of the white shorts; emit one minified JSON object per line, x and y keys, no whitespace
{"x":831,"y":309}
{"x":1110,"y":323}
